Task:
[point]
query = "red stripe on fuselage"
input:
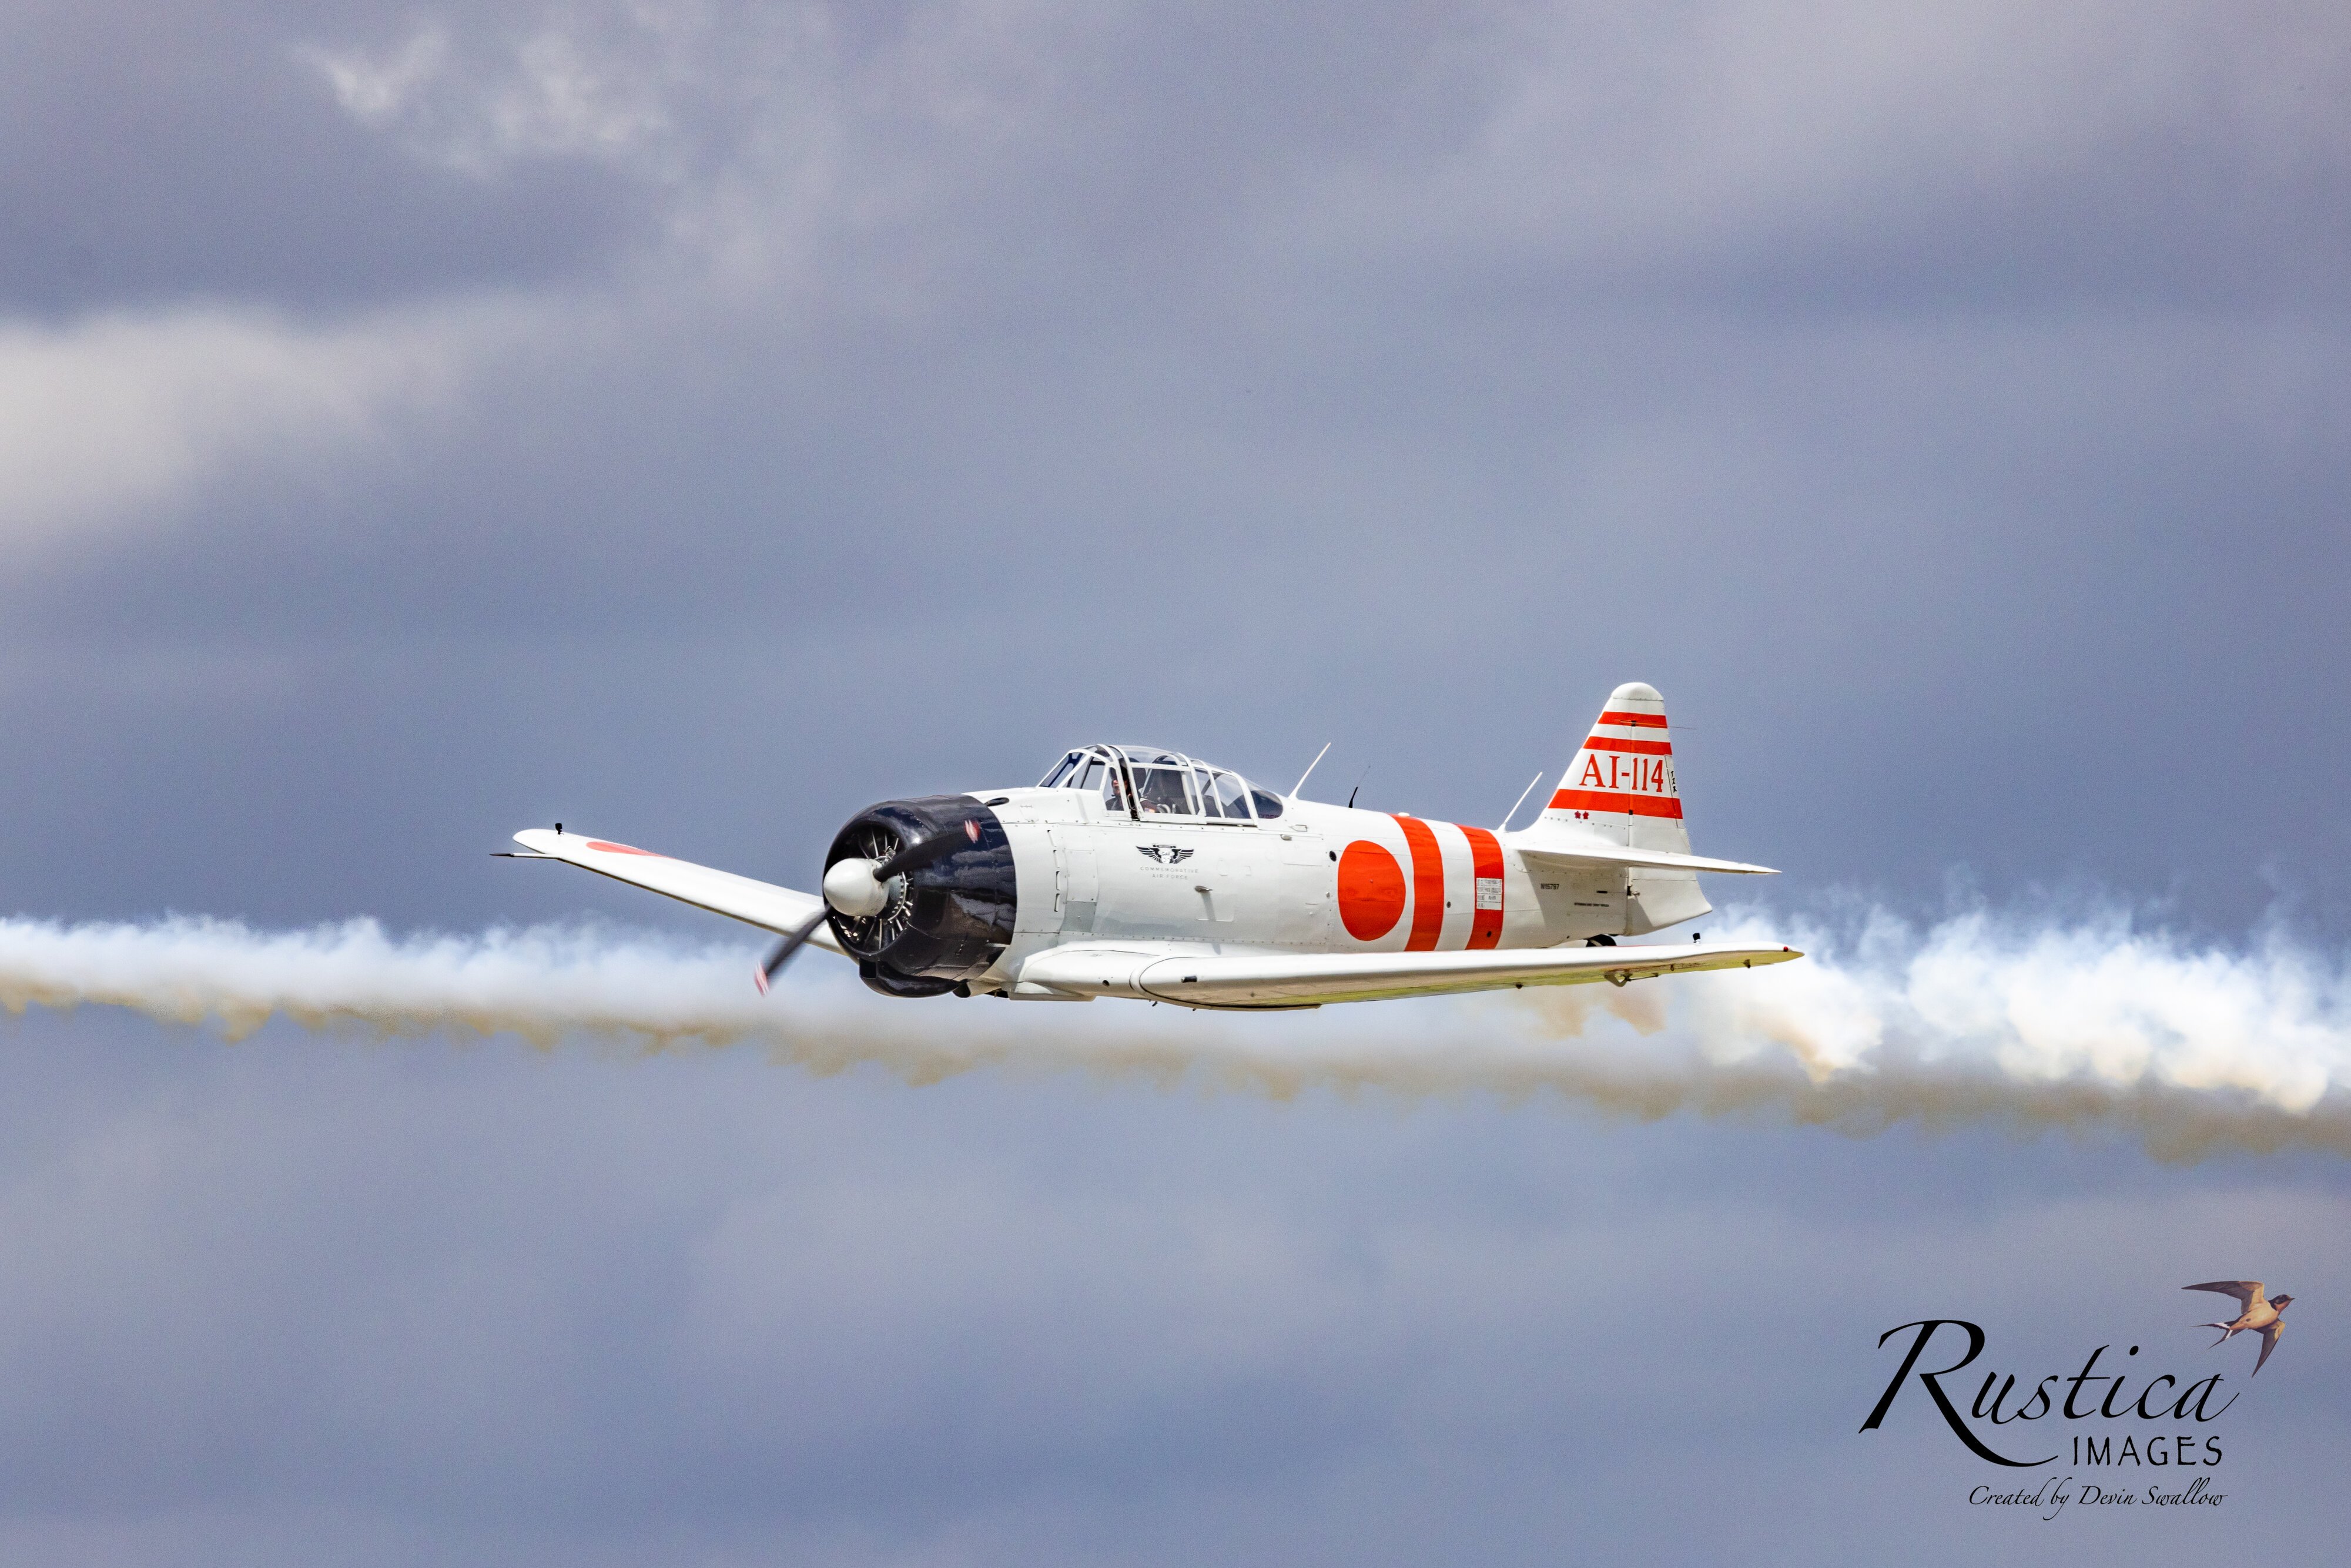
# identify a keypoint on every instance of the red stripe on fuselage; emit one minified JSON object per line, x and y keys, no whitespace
{"x":1637,"y":720}
{"x":1484,"y":863}
{"x":1428,"y":885}
{"x":1610,"y":800}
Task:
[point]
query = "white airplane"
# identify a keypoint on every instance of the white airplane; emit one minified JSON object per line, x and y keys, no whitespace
{"x":1136,"y":872}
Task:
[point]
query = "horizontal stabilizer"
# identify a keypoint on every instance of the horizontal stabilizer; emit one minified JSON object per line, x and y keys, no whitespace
{"x":1554,"y":847}
{"x":1310,"y":979}
{"x":761,"y":904}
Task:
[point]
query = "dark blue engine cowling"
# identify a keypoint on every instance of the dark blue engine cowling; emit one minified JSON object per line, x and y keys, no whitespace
{"x":946,"y":921}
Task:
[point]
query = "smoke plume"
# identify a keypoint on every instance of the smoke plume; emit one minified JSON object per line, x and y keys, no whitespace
{"x":2095,"y":1025}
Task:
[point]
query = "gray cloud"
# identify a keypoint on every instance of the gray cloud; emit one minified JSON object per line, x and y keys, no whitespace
{"x":701,"y":420}
{"x":162,"y":155}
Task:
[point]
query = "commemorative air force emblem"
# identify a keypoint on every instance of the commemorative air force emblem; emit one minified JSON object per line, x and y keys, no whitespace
{"x":1166,"y":855}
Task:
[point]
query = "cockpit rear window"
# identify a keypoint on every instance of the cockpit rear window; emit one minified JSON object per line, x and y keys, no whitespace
{"x":1224,"y":795}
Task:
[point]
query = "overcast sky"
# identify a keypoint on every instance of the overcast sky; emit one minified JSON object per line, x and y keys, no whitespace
{"x":694,"y":421}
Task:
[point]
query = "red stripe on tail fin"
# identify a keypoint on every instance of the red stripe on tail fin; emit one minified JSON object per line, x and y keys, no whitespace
{"x":1617,"y":801}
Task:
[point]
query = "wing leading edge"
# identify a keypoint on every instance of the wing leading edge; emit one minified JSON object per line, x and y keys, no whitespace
{"x":755,"y":903}
{"x":1295,"y":980}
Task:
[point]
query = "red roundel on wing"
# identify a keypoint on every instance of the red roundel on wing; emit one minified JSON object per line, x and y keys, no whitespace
{"x":1371,"y":891}
{"x":611,"y":849}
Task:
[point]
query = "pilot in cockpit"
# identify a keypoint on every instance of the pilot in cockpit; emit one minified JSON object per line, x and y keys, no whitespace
{"x":1162,"y":791}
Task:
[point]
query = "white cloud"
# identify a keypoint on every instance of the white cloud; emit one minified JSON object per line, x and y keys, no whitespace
{"x":374,"y":90}
{"x":578,"y":84}
{"x":111,"y":422}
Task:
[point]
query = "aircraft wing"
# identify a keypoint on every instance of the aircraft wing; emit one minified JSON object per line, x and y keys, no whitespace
{"x":1309,"y":979}
{"x":1574,"y":850}
{"x":761,"y":904}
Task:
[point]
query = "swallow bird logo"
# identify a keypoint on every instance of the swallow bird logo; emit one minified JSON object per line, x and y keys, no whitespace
{"x":2260,"y":1315}
{"x":1166,"y":855}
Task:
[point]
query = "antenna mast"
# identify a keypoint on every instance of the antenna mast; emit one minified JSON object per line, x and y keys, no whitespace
{"x":1310,"y":770}
{"x":1518,"y":802}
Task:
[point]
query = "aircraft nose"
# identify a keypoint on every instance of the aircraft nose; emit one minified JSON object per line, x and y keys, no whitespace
{"x":850,"y":887}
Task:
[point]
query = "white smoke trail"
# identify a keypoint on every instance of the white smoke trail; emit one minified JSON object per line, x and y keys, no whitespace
{"x":2094,"y":1025}
{"x":2098,"y":1000}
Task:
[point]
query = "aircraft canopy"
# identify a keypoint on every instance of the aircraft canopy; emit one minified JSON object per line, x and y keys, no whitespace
{"x":1162,"y":783}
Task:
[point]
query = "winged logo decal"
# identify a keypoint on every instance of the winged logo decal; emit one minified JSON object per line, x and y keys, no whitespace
{"x":1166,"y":855}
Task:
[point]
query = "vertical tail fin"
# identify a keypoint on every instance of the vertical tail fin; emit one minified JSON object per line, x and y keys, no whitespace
{"x":1621,"y":789}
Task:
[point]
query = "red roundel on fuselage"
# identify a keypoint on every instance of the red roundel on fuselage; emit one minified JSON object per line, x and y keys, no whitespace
{"x":1371,"y":891}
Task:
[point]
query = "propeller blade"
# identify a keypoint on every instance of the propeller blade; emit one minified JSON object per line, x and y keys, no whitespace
{"x":791,"y":943}
{"x":916,"y":856}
